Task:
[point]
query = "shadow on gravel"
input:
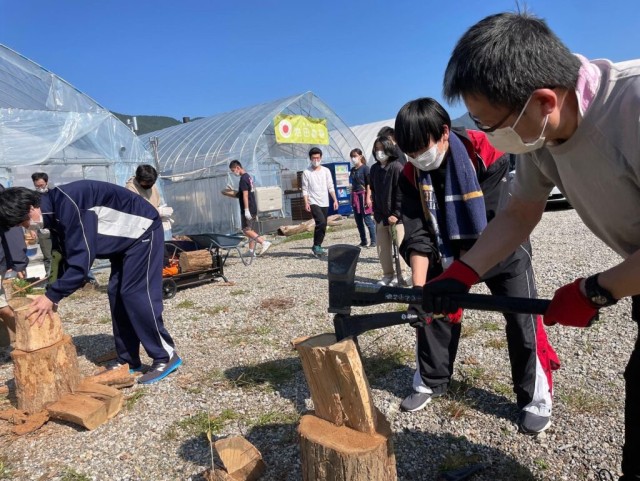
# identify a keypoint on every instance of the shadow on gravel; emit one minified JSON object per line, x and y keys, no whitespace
{"x":92,"y":346}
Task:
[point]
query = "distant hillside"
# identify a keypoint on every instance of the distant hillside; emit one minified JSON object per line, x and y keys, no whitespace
{"x":149,"y":123}
{"x":463,"y":121}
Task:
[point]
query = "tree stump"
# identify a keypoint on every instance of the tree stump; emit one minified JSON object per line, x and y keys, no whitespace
{"x":195,"y":260}
{"x":339,"y":453}
{"x":43,"y":376}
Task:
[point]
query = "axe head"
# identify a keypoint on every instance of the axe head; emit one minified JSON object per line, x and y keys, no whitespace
{"x":343,"y":259}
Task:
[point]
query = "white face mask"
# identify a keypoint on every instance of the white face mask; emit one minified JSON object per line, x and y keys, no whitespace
{"x":42,"y":190}
{"x":381,"y":156}
{"x":315,"y":163}
{"x":36,"y":225}
{"x":508,"y":140}
{"x":428,"y":160}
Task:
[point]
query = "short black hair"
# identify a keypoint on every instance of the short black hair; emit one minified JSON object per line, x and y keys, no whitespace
{"x":419,"y":122}
{"x":15,"y":205}
{"x":235,"y":163}
{"x":387,"y":131}
{"x":315,"y":151}
{"x":146,"y":174}
{"x":40,"y":175}
{"x":389,"y":148}
{"x":505,"y":57}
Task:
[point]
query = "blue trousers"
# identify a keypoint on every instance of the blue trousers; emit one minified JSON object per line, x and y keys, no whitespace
{"x":361,"y":220}
{"x":135,"y":296}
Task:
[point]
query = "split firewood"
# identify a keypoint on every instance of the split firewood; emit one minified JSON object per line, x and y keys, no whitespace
{"x":118,"y":378}
{"x":241,"y":459}
{"x":79,"y":409}
{"x":31,"y":424}
{"x":216,"y":475}
{"x":109,"y":395}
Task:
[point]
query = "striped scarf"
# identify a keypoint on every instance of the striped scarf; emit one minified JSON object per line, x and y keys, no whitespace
{"x":464,"y":215}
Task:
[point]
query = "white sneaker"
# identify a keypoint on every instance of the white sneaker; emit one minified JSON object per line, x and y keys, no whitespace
{"x":249,"y":253}
{"x":385,"y":281}
{"x":265,"y":247}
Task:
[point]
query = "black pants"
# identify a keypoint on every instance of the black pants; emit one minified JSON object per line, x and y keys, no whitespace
{"x":320,"y":216}
{"x":532,"y":358}
{"x":631,"y":449}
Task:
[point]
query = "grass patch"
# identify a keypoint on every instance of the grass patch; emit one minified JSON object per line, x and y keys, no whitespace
{"x":457,"y":408}
{"x":496,"y":343}
{"x":263,"y":330}
{"x":186,"y":304}
{"x":468,"y":330}
{"x":70,"y":474}
{"x":201,"y":422}
{"x":131,"y":401}
{"x":384,"y":363}
{"x":277,"y":303}
{"x":105,"y":320}
{"x":238,"y":292}
{"x":491,"y":326}
{"x":581,"y":401}
{"x":301,"y":236}
{"x":275,"y":417}
{"x":541,"y":463}
{"x":268,"y":375}
{"x":5,"y":470}
{"x":501,"y":388}
{"x":455,"y":461}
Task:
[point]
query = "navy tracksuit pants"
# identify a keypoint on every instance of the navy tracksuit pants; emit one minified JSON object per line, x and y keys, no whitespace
{"x":135,"y":296}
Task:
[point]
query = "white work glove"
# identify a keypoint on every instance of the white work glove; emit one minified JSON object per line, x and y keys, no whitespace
{"x":165,"y":212}
{"x":247,"y":214}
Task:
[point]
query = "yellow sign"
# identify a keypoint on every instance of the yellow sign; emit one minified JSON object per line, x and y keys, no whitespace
{"x":298,"y":129}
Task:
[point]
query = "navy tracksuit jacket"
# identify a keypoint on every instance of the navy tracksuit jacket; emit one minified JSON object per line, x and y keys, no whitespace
{"x":92,"y":220}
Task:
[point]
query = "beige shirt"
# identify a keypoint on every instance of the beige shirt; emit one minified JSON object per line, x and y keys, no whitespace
{"x":152,"y":194}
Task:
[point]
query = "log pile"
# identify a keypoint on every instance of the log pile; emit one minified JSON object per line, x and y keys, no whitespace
{"x":346,"y":438}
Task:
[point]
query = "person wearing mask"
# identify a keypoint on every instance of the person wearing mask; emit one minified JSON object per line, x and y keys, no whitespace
{"x":41,"y":184}
{"x":361,"y":198}
{"x":575,"y":124}
{"x":387,"y":131}
{"x":143,"y":183}
{"x":90,"y":219}
{"x":387,"y":200}
{"x":452,"y":186}
{"x":317,"y":186}
{"x":248,"y":208}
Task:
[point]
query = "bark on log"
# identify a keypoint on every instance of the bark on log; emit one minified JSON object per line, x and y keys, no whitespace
{"x":110,"y":396}
{"x":79,"y":409}
{"x":29,"y":337}
{"x":195,"y":260}
{"x":216,"y":475}
{"x":306,"y":226}
{"x":339,"y":388}
{"x":43,"y":376}
{"x":242,"y":461}
{"x":338,"y":453}
{"x":32,"y":423}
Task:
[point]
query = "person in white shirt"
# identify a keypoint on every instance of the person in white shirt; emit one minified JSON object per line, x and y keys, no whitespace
{"x":317,"y":186}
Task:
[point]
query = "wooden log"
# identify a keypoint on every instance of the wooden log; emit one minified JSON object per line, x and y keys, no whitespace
{"x":43,"y":376}
{"x":195,"y":260}
{"x":29,"y":337}
{"x":79,"y":409}
{"x":117,"y":378}
{"x":288,"y":230}
{"x":339,"y":453}
{"x":337,"y":382}
{"x":110,"y":396}
{"x":241,"y":459}
{"x":216,"y":475}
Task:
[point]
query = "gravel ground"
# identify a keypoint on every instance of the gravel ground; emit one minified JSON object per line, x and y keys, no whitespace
{"x":240,"y":372}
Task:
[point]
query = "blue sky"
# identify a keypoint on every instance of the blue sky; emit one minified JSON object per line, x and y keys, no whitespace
{"x":365,"y":59}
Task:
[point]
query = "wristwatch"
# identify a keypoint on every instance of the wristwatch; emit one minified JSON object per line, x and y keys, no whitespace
{"x":597,"y":294}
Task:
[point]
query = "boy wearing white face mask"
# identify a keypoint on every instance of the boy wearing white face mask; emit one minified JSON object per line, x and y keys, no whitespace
{"x":317,"y":186}
{"x":578,"y":122}
{"x":453,"y":184}
{"x":41,"y":184}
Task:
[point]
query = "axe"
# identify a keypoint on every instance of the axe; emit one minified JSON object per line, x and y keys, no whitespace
{"x":344,"y":293}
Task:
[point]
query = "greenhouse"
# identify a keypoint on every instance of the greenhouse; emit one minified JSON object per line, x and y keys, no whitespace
{"x":272,"y":142}
{"x":48,"y":125}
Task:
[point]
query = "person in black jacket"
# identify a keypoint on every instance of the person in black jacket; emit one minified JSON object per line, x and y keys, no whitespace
{"x":443,"y":215}
{"x":13,"y":256}
{"x":387,"y":198}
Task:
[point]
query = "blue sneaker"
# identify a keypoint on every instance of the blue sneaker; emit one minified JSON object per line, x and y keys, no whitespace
{"x":160,"y":370}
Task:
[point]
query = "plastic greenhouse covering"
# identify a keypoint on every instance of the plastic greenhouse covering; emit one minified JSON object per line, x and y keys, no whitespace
{"x":194,"y":158}
{"x":48,"y":125}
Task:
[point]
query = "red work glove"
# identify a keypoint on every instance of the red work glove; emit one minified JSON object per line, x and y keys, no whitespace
{"x":457,"y":279}
{"x":570,"y":307}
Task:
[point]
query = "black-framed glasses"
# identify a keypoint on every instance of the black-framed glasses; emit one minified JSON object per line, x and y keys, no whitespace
{"x":487,"y":130}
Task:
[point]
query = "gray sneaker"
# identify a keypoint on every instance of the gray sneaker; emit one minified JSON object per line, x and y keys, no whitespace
{"x":160,"y":370}
{"x":416,"y":401}
{"x":530,"y":423}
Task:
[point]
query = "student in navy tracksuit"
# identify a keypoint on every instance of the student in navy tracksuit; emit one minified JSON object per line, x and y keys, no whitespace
{"x":88,"y":220}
